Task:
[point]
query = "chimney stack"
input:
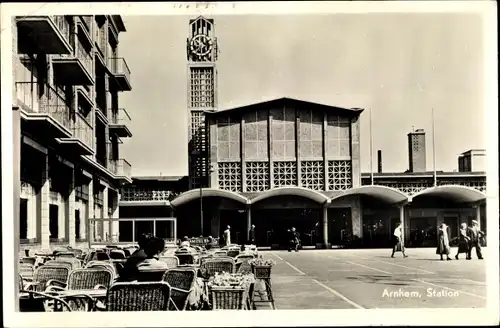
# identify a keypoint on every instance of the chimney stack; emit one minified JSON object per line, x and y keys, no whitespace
{"x":379,"y":161}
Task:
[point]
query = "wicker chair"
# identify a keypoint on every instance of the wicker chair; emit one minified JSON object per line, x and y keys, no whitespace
{"x":181,"y":283}
{"x":243,"y":265}
{"x":117,"y":254}
{"x":138,"y":296}
{"x":228,"y":298}
{"x":48,"y":275}
{"x":103,"y":265}
{"x":171,"y":261}
{"x":65,"y":254}
{"x":74,"y":262}
{"x":89,"y":278}
{"x":150,"y":274}
{"x":26,"y":271}
{"x":28,"y":260}
{"x":220,"y":253}
{"x":233,"y":252}
{"x":216,"y":265}
{"x":186,"y":258}
{"x":42,"y":302}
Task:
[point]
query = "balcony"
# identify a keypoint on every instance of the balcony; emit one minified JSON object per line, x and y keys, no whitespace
{"x":83,"y":25}
{"x":74,"y":69}
{"x":120,"y":80}
{"x":43,"y":109}
{"x":100,"y":42}
{"x":101,"y":113}
{"x":85,"y":97}
{"x":45,"y":34}
{"x":121,"y":169}
{"x":82,"y":139}
{"x":118,"y":123}
{"x":135,"y":194}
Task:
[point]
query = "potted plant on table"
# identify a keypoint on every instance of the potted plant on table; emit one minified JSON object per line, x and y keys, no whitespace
{"x":262,"y":267}
{"x":230,"y":290}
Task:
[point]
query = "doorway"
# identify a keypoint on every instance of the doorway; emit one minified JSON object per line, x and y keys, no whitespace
{"x":54,"y":221}
{"x":23,"y":217}
{"x":423,"y":232}
{"x":77,"y":224}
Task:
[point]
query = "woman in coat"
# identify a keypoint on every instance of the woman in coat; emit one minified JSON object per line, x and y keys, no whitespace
{"x":463,"y":241}
{"x":443,"y":247}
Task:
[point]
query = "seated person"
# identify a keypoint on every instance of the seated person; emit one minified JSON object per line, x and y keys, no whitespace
{"x":153,"y":249}
{"x":129,"y":271}
{"x":185,"y":243}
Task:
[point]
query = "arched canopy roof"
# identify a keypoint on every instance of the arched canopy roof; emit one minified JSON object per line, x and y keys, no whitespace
{"x":193,"y":194}
{"x":383,"y":193}
{"x":313,"y":195}
{"x":456,"y":193}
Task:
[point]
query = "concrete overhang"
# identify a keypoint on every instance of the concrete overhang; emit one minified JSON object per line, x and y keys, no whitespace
{"x":193,"y":194}
{"x":456,"y":193}
{"x":386,"y":194}
{"x":313,"y":195}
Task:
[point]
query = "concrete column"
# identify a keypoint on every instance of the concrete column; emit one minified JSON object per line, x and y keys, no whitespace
{"x":70,"y":208}
{"x":61,"y":216}
{"x":325,"y":226}
{"x":356,"y":213}
{"x":249,"y":221}
{"x":83,"y":219}
{"x":105,"y":208}
{"x":115,"y":224}
{"x":270,"y":148}
{"x":242,"y":156}
{"x":44,"y":205}
{"x":478,"y":215}
{"x":90,"y":213}
{"x":28,"y":191}
{"x":355,"y":153}
{"x":325,"y":157}
{"x":297,"y":146}
{"x":403,"y":223}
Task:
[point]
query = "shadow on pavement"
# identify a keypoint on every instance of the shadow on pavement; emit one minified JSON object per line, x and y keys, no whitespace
{"x":382,"y":280}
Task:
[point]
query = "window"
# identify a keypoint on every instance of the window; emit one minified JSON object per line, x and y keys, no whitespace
{"x":229,"y":175}
{"x":202,"y":87}
{"x":311,"y":134}
{"x":23,"y":217}
{"x":255,"y":135}
{"x":257,"y":174}
{"x":285,"y":174}
{"x":228,"y":139}
{"x":54,"y":221}
{"x":338,"y":136}
{"x":283,"y":133}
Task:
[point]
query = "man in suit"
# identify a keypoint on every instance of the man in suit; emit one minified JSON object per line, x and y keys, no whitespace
{"x":475,"y":234}
{"x":251,"y":235}
{"x":293,"y":240}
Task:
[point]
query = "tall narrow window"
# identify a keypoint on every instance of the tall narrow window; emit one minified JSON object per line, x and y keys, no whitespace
{"x":54,"y":221}
{"x":23,"y":217}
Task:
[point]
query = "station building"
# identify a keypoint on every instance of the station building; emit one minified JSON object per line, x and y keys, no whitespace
{"x":68,"y":127}
{"x":288,"y":163}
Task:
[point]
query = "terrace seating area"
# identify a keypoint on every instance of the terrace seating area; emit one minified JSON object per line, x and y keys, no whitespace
{"x":183,"y":278}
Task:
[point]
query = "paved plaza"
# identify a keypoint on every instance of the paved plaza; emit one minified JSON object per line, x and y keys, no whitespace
{"x":347,"y":279}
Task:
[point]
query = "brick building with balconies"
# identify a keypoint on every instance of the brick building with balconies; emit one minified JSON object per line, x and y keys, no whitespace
{"x":67,"y":77}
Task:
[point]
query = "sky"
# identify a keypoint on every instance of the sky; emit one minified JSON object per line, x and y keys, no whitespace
{"x":397,"y":66}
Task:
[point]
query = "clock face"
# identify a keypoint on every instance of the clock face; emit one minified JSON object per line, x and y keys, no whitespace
{"x":201,"y":45}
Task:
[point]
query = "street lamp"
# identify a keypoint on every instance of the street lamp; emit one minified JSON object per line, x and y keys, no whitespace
{"x":210,"y":171}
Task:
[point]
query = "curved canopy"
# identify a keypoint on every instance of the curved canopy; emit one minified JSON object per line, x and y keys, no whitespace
{"x":193,"y":194}
{"x":386,"y":194}
{"x":313,"y":195}
{"x":456,"y":193}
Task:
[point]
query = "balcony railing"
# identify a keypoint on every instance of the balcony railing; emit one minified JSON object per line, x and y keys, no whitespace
{"x":121,"y":168}
{"x":63,"y":25}
{"x":118,"y":66}
{"x":131,"y":194}
{"x":49,"y":101}
{"x":87,"y":20}
{"x":83,"y":131}
{"x":120,"y":117}
{"x":84,"y":57}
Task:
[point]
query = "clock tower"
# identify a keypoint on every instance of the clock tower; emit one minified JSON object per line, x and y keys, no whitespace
{"x":202,"y":95}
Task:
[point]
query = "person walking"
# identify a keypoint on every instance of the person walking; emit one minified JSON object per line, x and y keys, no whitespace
{"x":227,"y":236}
{"x":475,"y":234}
{"x":443,"y":247}
{"x":463,"y":241}
{"x":293,"y":240}
{"x":251,"y":235}
{"x":398,"y":241}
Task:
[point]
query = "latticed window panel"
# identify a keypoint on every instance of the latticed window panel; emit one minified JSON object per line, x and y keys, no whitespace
{"x":339,"y":175}
{"x":476,"y":184}
{"x":408,"y":188}
{"x":313,"y":175}
{"x":257,"y":176}
{"x":338,"y":135}
{"x":285,"y":174}
{"x":202,"y":87}
{"x":228,"y":139}
{"x":283,"y":133}
{"x":229,"y":174}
